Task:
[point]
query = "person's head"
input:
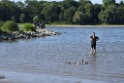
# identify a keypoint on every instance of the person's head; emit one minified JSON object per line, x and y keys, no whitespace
{"x":93,"y":33}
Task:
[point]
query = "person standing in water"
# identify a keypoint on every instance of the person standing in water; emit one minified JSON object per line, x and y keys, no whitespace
{"x":93,"y":42}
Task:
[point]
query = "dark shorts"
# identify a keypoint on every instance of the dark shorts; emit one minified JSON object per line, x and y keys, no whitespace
{"x":93,"y":46}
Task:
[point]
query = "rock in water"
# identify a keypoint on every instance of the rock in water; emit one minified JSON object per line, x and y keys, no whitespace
{"x":27,"y":34}
{"x":86,"y":62}
{"x":2,"y":77}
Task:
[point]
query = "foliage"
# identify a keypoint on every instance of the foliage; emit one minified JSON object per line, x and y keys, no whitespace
{"x":36,"y":19}
{"x":51,"y":12}
{"x":27,"y":27}
{"x":69,"y":13}
{"x":66,"y":11}
{"x":1,"y":23}
{"x":77,"y":17}
{"x":22,"y":18}
{"x":112,"y":17}
{"x":9,"y":26}
{"x":108,"y":2}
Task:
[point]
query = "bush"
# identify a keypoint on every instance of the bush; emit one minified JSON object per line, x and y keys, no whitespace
{"x":36,"y":19}
{"x":1,"y":23}
{"x":27,"y":27}
{"x":9,"y":26}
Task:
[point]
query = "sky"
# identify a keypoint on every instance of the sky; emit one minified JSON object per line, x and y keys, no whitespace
{"x":93,"y":1}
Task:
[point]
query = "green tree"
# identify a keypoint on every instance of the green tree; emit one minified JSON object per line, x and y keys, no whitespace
{"x":81,"y":18}
{"x":36,"y":19}
{"x":68,"y":14}
{"x":51,"y":12}
{"x":69,"y":3}
{"x":63,"y":11}
{"x":120,"y":14}
{"x":96,"y":10}
{"x":13,"y":18}
{"x":109,"y":16}
{"x":121,"y":3}
{"x":21,"y":5}
{"x":77,"y":19}
{"x":9,"y":10}
{"x":22,"y":18}
{"x":1,"y":23}
{"x":89,"y":8}
{"x":108,"y":2}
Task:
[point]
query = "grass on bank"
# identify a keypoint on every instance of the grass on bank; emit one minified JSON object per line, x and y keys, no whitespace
{"x":12,"y":26}
{"x":9,"y":26}
{"x":27,"y":27}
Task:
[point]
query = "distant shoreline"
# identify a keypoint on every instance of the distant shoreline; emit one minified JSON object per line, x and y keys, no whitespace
{"x":59,"y":25}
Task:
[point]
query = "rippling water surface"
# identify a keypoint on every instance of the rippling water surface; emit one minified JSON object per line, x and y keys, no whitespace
{"x":60,"y":56}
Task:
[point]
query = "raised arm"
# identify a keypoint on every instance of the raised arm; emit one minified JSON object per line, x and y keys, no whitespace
{"x":97,"y":38}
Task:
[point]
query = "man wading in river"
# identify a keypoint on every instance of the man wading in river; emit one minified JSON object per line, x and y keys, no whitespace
{"x":93,"y":42}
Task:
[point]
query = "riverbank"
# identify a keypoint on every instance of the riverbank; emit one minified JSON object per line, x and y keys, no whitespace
{"x":27,"y":34}
{"x":62,"y":25}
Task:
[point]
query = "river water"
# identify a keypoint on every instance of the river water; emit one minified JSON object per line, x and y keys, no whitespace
{"x":56,"y":59}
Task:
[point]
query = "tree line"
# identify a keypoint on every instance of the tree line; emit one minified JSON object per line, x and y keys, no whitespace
{"x":81,"y":12}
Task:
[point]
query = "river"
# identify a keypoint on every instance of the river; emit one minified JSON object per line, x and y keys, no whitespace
{"x":54,"y":59}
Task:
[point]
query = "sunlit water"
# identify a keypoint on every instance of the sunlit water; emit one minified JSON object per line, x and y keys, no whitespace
{"x":49,"y":56}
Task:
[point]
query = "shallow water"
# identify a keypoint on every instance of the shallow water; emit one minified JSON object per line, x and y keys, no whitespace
{"x":48,"y":57}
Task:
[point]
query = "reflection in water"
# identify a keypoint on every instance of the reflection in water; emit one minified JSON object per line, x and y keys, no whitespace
{"x":49,"y":55}
{"x":93,"y":61}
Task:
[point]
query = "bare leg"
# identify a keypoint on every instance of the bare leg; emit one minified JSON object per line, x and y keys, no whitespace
{"x":94,"y":50}
{"x":91,"y":51}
